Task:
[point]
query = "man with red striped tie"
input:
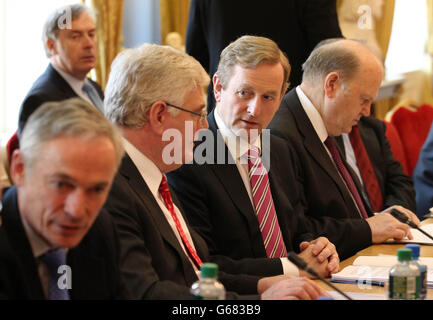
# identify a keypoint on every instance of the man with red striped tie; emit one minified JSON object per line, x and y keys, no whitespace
{"x":243,"y":197}
{"x":155,"y":96}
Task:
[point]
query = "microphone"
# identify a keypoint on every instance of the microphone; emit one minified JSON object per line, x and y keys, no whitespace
{"x":400,"y":216}
{"x":301,"y":264}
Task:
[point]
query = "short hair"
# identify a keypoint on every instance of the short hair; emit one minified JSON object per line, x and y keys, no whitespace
{"x":141,"y":76}
{"x":250,"y":52}
{"x":73,"y":117}
{"x":329,"y":57}
{"x":52,"y":24}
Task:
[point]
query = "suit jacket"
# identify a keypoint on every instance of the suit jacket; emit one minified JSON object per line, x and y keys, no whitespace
{"x":219,"y":208}
{"x":331,"y":210}
{"x":94,"y":262}
{"x":423,"y":177}
{"x":396,"y":186}
{"x":295,"y":25}
{"x":154,"y":264}
{"x":50,"y":86}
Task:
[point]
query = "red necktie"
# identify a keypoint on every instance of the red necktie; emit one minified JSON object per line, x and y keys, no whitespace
{"x":367,"y":173}
{"x":165,"y":194}
{"x":265,"y":210}
{"x":346,"y":175}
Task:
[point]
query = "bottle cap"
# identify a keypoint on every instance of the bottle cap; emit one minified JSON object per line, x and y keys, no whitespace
{"x":415,"y":249}
{"x":404,"y":254}
{"x":209,"y":270}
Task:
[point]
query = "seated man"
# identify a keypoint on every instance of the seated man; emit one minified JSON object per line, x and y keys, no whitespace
{"x":66,"y":247}
{"x":155,"y":96}
{"x":241,"y":212}
{"x":72,"y":50}
{"x":341,"y":79}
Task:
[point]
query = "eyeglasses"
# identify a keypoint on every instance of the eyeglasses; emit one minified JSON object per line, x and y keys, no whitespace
{"x":202,"y":115}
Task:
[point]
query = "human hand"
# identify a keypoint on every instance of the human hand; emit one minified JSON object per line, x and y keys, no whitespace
{"x":324,"y":251}
{"x":384,"y":226}
{"x":299,"y":288}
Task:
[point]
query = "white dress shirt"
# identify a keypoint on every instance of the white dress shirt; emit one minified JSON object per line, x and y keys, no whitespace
{"x":152,"y":176}
{"x":238,"y":148}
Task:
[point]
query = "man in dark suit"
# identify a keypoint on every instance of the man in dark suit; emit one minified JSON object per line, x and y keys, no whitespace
{"x":218,"y":196}
{"x":295,"y":25}
{"x":66,"y":248}
{"x":72,"y":50}
{"x":341,"y":79}
{"x":395,"y":187}
{"x":155,"y":95}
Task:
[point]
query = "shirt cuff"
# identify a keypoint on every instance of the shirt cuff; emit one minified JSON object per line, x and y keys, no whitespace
{"x":289,"y":269}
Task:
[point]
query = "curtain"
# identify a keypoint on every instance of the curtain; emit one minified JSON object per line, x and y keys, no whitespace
{"x":174,"y":17}
{"x":109,"y":30}
{"x":428,"y":87}
{"x":384,"y":26}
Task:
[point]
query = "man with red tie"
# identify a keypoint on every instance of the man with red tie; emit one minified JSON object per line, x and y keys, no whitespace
{"x":245,"y":199}
{"x":341,"y":79}
{"x":155,"y":96}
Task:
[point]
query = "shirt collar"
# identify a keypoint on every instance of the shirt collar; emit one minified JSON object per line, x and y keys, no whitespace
{"x":148,"y":170}
{"x":76,"y":84}
{"x":313,"y":115}
{"x":237,"y":146}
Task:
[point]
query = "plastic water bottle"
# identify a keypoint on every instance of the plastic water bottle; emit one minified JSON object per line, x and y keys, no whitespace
{"x":404,"y":277}
{"x":208,"y":287}
{"x":422,"y":269}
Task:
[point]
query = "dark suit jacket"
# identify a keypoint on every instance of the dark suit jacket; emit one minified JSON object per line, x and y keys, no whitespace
{"x":331,"y":210}
{"x":154,"y":265}
{"x":219,"y":208}
{"x":50,"y":86}
{"x":397,"y":188}
{"x":423,"y":177}
{"x":295,"y":25}
{"x":94,"y":262}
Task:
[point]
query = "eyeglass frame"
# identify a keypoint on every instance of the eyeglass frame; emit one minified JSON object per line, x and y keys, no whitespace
{"x":201,"y":115}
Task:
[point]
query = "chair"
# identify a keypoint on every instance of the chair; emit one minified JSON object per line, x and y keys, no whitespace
{"x":412,"y":127}
{"x":396,"y":145}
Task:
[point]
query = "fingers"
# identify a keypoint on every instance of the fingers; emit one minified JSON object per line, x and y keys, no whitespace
{"x":334,"y":264}
{"x":294,"y":289}
{"x":304,"y":245}
{"x":412,"y":216}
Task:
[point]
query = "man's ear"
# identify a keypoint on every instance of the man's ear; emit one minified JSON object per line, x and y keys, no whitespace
{"x":331,"y":84}
{"x":158,"y":114}
{"x":17,"y":168}
{"x":217,"y":87}
{"x":51,"y":46}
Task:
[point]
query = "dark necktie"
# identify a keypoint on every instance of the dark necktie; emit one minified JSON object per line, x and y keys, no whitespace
{"x":93,"y":96}
{"x":330,"y":144}
{"x":367,"y":173}
{"x":53,"y":259}
{"x":166,"y":196}
{"x":264,"y":205}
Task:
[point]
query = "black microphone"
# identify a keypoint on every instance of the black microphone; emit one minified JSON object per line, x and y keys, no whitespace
{"x":301,"y":264}
{"x":400,"y":216}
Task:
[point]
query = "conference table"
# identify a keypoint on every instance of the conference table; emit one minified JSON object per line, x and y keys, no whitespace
{"x":374,"y":250}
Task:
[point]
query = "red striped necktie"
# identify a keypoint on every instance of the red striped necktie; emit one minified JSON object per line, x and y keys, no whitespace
{"x":346,"y":175}
{"x":166,"y":196}
{"x":264,"y":205}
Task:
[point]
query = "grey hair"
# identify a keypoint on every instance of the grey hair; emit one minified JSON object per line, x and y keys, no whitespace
{"x":329,"y":57}
{"x":57,"y":18}
{"x":73,"y":117}
{"x":250,"y":52}
{"x":143,"y":75}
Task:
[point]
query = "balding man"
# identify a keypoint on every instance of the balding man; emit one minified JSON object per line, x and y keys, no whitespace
{"x":341,"y":79}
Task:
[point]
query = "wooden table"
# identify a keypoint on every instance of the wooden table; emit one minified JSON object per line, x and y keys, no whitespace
{"x":374,"y":250}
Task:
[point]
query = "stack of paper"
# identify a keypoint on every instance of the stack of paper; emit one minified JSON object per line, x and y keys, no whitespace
{"x":375,"y":270}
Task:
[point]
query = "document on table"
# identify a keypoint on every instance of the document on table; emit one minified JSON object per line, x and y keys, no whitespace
{"x":374,"y":270}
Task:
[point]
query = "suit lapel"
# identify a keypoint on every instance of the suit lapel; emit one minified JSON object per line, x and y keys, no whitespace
{"x":139,"y":186}
{"x":315,"y":147}
{"x":60,"y":82}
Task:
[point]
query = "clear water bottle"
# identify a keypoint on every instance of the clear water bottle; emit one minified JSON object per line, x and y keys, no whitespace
{"x":404,"y":277}
{"x":208,"y":287}
{"x":422,"y":269}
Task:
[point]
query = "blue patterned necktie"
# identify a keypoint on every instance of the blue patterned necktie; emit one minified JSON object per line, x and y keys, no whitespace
{"x":53,"y":259}
{"x":93,"y":96}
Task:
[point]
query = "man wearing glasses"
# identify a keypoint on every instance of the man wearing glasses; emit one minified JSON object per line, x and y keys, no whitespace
{"x":155,"y":95}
